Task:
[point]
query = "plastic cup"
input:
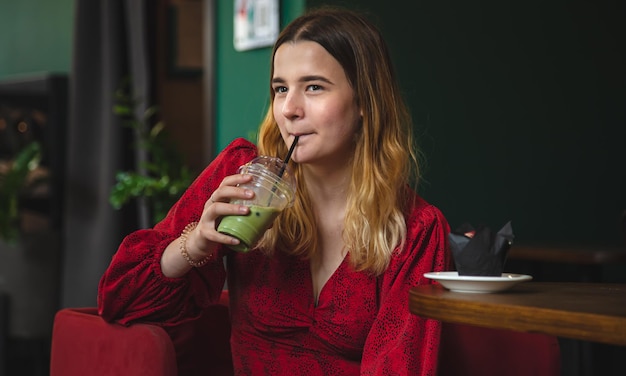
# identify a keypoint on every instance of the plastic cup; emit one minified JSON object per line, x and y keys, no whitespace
{"x":274,"y":189}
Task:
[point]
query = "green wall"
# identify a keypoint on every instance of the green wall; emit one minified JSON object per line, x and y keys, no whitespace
{"x":242,"y":78}
{"x":35,"y":36}
{"x":520,"y":111}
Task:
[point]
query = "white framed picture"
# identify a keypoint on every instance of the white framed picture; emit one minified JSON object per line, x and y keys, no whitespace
{"x":256,"y":24}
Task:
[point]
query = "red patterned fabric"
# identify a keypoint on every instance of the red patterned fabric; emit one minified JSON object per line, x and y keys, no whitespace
{"x":361,"y":325}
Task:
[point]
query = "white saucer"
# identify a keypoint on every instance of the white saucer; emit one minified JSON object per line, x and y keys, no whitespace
{"x":477,"y":284}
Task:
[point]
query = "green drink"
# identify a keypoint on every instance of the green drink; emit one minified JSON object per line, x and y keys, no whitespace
{"x":274,"y":189}
{"x":248,"y":228}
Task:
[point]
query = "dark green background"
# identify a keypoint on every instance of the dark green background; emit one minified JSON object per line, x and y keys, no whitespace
{"x":520,"y":109}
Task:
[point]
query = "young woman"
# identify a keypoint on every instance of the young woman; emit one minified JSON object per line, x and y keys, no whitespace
{"x":325,"y":291}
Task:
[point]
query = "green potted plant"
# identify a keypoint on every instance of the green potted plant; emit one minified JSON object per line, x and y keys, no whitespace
{"x":16,"y":180}
{"x":162,"y":179}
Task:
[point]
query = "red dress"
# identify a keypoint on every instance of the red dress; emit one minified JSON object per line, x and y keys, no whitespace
{"x":361,"y":325}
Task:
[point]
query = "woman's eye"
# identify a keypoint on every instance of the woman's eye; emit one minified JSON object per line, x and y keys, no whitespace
{"x":314,"y":87}
{"x":280,"y":89}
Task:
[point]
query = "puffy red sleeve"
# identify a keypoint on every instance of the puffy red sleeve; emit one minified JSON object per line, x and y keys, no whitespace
{"x":399,"y":342}
{"x":134,"y":288}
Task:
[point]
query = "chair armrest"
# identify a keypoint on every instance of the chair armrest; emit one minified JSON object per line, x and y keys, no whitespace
{"x":84,"y":344}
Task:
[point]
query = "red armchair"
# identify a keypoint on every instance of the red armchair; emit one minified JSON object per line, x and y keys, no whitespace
{"x":84,"y":344}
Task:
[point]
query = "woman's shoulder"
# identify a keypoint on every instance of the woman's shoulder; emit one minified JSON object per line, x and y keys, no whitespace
{"x":422,"y":218}
{"x":421,"y":211}
{"x":239,"y":151}
{"x":240,"y":145}
{"x":426,"y":233}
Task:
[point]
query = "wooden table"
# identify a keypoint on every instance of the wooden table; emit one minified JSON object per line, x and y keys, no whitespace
{"x":584,"y":311}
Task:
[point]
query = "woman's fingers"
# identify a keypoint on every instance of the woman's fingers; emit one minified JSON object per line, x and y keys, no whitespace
{"x":219,"y":205}
{"x":210,"y":233}
{"x":229,"y":189}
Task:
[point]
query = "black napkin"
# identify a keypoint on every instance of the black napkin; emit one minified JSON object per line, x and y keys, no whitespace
{"x":479,"y":252}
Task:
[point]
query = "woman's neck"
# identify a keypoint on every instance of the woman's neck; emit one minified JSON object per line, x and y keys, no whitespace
{"x":328,"y":186}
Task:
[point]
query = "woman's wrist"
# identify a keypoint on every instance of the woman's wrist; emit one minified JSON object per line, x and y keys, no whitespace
{"x":173,"y":263}
{"x":196,"y":263}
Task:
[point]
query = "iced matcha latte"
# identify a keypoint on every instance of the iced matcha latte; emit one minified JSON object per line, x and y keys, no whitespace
{"x":274,"y":189}
{"x":248,"y":228}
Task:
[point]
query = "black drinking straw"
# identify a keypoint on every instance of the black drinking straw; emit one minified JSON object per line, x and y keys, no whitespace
{"x":293,"y":146}
{"x":282,"y":168}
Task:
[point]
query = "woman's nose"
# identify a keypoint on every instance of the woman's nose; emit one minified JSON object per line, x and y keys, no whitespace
{"x":292,"y":106}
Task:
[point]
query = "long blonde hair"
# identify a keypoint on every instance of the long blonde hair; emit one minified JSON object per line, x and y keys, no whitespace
{"x":384,"y":157}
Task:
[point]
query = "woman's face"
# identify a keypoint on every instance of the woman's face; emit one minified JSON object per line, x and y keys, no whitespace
{"x":314,"y":100}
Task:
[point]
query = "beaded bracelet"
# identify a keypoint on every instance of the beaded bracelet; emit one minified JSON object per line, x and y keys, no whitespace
{"x":183,"y":247}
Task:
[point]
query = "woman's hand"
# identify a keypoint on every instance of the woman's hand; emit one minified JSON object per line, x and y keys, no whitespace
{"x":217,"y":206}
{"x":203,"y":240}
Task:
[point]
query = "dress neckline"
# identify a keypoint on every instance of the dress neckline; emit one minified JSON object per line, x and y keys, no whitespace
{"x":323,"y":289}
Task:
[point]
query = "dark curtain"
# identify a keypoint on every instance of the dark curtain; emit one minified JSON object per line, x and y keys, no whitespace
{"x":111,"y":42}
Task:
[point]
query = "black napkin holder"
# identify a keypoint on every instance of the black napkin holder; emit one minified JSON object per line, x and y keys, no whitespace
{"x":479,"y":252}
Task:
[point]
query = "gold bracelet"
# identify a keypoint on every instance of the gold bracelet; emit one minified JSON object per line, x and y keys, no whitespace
{"x":183,"y":247}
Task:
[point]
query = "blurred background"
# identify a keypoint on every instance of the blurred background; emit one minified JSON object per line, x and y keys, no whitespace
{"x":519,"y":109}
